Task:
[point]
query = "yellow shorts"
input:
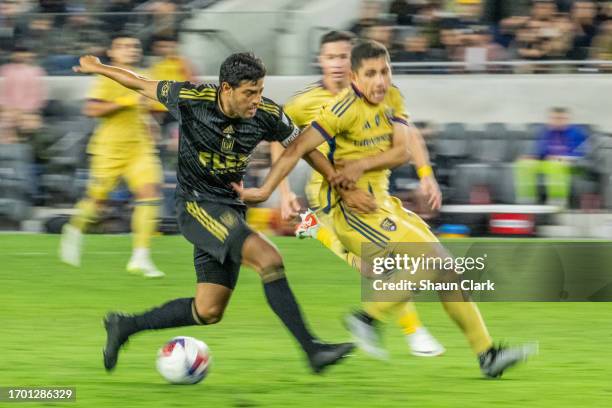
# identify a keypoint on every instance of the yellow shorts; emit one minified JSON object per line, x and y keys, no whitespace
{"x":389,"y":224}
{"x":137,"y":170}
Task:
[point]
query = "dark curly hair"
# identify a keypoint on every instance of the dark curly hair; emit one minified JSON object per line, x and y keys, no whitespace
{"x":367,"y":49}
{"x":242,"y":66}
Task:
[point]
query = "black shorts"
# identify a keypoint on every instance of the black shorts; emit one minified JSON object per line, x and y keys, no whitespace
{"x":217,"y":232}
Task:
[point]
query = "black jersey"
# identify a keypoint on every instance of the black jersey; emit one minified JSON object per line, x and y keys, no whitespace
{"x":214,"y":150}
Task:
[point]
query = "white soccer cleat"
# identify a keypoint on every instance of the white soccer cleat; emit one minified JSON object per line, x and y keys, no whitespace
{"x":71,"y":243}
{"x":309,"y":226}
{"x":141,"y":264}
{"x":367,"y":335}
{"x":423,"y":344}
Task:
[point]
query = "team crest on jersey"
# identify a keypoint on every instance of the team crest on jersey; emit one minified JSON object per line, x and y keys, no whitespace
{"x":227,"y":144}
{"x":165,"y":89}
{"x":388,"y":225}
{"x":228,"y":219}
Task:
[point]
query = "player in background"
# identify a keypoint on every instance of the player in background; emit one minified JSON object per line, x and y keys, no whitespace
{"x":369,"y":130}
{"x":303,"y":108}
{"x":121,"y":147}
{"x":167,"y":64}
{"x":220,"y":126}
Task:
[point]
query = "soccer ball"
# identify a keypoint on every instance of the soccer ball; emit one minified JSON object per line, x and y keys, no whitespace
{"x":183,"y":360}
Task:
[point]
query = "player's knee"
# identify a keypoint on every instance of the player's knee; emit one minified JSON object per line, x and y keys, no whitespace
{"x":272,"y":272}
{"x":209,"y":314}
{"x":148,"y":192}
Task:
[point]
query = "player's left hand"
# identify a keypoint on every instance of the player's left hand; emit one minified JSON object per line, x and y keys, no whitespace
{"x":349,"y":172}
{"x":250,"y":195}
{"x":289,"y":206}
{"x":430,"y":188}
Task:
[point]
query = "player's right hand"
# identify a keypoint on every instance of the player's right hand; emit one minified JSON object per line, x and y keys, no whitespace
{"x":289,"y":206}
{"x":358,"y":200}
{"x":250,"y":195}
{"x":88,"y":64}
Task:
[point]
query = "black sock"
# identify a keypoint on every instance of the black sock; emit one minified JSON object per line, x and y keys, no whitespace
{"x":175,"y":313}
{"x":281,"y":300}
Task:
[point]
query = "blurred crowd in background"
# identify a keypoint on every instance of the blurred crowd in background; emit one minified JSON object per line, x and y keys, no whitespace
{"x":46,"y":37}
{"x":55,"y":32}
{"x":477,"y":31}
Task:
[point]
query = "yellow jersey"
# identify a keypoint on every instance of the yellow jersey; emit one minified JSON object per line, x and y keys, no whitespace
{"x":171,"y":68}
{"x":354,"y":129}
{"x":305,"y":105}
{"x":122,"y":132}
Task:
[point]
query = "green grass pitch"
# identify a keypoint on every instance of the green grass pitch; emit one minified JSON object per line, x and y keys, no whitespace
{"x":51,"y":335}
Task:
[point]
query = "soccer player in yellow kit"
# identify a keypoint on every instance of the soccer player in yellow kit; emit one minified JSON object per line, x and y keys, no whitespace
{"x":303,"y":108}
{"x":121,"y":147}
{"x":368,"y":131}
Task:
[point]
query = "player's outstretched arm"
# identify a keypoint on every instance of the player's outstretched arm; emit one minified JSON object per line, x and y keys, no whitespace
{"x":350,"y":171}
{"x":305,"y":143}
{"x":89,"y":64}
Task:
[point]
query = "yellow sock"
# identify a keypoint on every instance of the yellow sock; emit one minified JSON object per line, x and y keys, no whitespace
{"x":409,"y":318}
{"x":353,"y":260}
{"x":327,"y":237}
{"x":144,"y":221}
{"x":382,"y":311}
{"x":86,"y":215}
{"x":468,"y":318}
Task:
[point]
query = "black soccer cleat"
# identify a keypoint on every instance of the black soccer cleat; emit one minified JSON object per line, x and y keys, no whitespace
{"x":496,"y":360}
{"x":327,"y":355}
{"x":116,"y":336}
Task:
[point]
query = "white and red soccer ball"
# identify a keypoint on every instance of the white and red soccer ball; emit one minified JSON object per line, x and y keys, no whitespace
{"x":183,"y":360}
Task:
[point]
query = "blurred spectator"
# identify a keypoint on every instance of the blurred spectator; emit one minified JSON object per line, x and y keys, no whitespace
{"x":117,"y":21}
{"x":54,"y":7}
{"x":602,"y":45}
{"x":164,"y":18}
{"x":23,"y":89}
{"x":405,"y":10}
{"x":39,"y":35}
{"x":81,"y":34}
{"x":469,"y":12}
{"x":558,"y":146}
{"x":12,"y":24}
{"x":383,"y":33}
{"x":479,"y":48}
{"x":583,"y":16}
{"x":450,"y":48}
{"x":368,"y":17}
{"x":428,"y":21}
{"x":415,"y":49}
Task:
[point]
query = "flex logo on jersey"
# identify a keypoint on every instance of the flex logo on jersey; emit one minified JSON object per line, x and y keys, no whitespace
{"x":227,"y":144}
{"x":388,"y":225}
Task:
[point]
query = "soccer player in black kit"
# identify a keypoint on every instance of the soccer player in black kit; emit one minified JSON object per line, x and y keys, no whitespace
{"x":219,"y":128}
